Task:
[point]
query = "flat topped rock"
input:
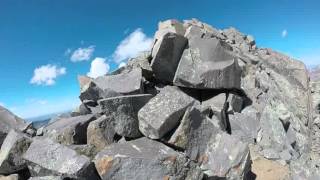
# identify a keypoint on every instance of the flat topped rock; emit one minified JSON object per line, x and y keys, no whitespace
{"x":143,"y":159}
{"x":207,"y":64}
{"x":163,"y":112}
{"x":69,"y":130}
{"x":125,"y":83}
{"x":123,"y":112}
{"x":46,"y":158}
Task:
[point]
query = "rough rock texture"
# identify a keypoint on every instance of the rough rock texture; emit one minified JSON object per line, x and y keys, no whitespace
{"x":163,"y":112}
{"x":123,"y":112}
{"x":146,"y":159}
{"x":207,"y":63}
{"x":69,"y":130}
{"x":46,"y":157}
{"x":211,"y":98}
{"x":11,"y":152}
{"x":101,"y":132}
{"x":9,"y":121}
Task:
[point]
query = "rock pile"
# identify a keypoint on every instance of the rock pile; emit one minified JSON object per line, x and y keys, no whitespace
{"x":203,"y":103}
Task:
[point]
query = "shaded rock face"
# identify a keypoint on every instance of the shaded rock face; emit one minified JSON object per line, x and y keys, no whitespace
{"x":189,"y":108}
{"x":9,"y":121}
{"x":146,"y":159}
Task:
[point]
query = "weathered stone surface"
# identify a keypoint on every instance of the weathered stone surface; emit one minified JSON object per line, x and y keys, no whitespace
{"x":226,"y":156}
{"x":244,"y":127}
{"x":207,"y":64}
{"x":125,"y":83}
{"x":47,"y":178}
{"x":10,"y":177}
{"x":166,"y":56}
{"x":80,"y":111}
{"x":9,"y":121}
{"x":146,"y":159}
{"x":123,"y":113}
{"x":11,"y":152}
{"x":172,"y":26}
{"x":47,"y":158}
{"x":69,"y":130}
{"x":163,"y":112}
{"x":101,"y":132}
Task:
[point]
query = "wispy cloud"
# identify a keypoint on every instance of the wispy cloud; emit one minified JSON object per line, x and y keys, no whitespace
{"x":67,"y":52}
{"x":136,"y":42}
{"x":284,"y":33}
{"x":82,"y":54}
{"x":99,"y":67}
{"x":2,"y":104}
{"x":37,"y":101}
{"x":47,"y":74}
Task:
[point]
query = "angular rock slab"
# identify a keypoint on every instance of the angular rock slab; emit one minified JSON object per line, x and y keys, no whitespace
{"x":69,"y":130}
{"x":244,"y":127}
{"x":101,"y":133}
{"x":144,"y":159}
{"x":167,"y":52}
{"x":163,"y":112}
{"x":123,"y":113}
{"x":9,"y":121}
{"x":48,"y":158}
{"x":207,"y":64}
{"x":11,"y":152}
{"x":226,"y":157}
{"x":10,"y":177}
{"x":47,"y":178}
{"x":125,"y":83}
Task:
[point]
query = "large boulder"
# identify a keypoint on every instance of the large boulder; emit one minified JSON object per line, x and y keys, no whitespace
{"x":123,"y":113}
{"x":207,"y":63}
{"x":166,"y":56}
{"x":69,"y":130}
{"x":226,"y":157}
{"x":101,"y":132}
{"x":163,"y":112}
{"x":144,"y":159}
{"x":9,"y":121}
{"x":46,"y":158}
{"x":12,"y":149}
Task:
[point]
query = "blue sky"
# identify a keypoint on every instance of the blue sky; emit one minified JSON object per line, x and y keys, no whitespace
{"x":45,"y":44}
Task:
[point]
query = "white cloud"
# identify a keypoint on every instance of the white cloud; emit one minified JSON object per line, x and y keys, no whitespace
{"x":67,"y":52}
{"x":284,"y":33}
{"x":46,"y":75}
{"x":122,"y":64}
{"x":82,"y":54}
{"x":98,"y":67}
{"x":136,"y":42}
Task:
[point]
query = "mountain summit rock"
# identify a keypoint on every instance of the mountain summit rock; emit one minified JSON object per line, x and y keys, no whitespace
{"x":203,"y":103}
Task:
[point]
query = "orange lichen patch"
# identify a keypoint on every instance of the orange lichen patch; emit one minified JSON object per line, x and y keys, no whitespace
{"x":266,"y":169}
{"x":203,"y":159}
{"x":166,"y":178}
{"x":171,"y":159}
{"x":104,"y":164}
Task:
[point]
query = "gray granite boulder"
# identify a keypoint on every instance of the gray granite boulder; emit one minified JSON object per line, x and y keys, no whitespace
{"x":166,"y":56}
{"x":123,"y":113}
{"x":124,"y":83}
{"x":226,"y":157}
{"x":69,"y":130}
{"x":12,"y":149}
{"x":47,"y":178}
{"x":163,"y":112}
{"x":48,"y":158}
{"x":10,"y":177}
{"x":101,"y":132}
{"x":207,"y":63}
{"x":144,"y":159}
{"x":10,"y":121}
